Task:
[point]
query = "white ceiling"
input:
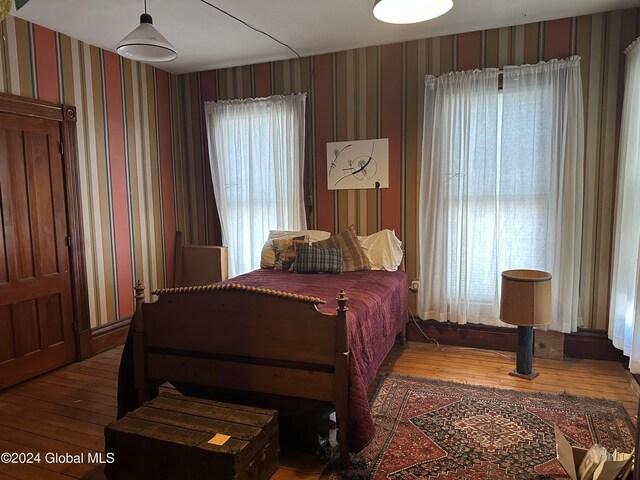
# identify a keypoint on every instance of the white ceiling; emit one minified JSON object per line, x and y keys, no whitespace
{"x":207,"y":39}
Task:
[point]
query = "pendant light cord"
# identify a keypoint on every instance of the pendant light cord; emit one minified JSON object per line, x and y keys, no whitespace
{"x":248,"y":25}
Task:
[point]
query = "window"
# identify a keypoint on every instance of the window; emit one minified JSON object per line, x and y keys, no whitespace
{"x":256,"y":148}
{"x":500,"y":188}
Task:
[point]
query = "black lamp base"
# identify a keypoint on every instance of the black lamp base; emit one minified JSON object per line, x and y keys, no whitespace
{"x":528,"y":376}
{"x":524,"y":354}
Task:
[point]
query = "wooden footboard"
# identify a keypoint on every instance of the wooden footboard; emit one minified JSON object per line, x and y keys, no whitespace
{"x":244,"y":338}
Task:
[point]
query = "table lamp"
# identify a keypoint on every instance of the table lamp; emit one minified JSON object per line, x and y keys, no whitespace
{"x":526,"y":302}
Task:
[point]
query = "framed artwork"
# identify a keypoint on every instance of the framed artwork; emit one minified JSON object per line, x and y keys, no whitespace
{"x":358,"y":164}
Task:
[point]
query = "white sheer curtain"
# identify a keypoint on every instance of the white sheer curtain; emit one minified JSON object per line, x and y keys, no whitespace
{"x":458,"y":198}
{"x":541,"y":179}
{"x":256,"y":149}
{"x":501,"y":188}
{"x":624,"y":313}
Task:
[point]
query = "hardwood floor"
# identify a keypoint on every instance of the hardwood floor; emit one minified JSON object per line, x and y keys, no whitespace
{"x":65,"y":411}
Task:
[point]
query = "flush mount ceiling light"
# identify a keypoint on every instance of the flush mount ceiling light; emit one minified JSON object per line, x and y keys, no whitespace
{"x":145,"y":43}
{"x":410,"y":11}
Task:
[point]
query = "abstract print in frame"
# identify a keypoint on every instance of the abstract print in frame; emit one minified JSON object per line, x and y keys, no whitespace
{"x":358,"y":164}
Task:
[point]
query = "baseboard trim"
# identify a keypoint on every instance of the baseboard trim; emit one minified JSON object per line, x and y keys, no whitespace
{"x":108,"y":336}
{"x":469,"y":335}
{"x":591,"y":344}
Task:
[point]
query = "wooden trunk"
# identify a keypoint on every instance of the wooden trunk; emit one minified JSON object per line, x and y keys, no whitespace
{"x":175,"y":436}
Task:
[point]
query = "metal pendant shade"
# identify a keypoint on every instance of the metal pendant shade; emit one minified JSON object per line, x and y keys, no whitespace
{"x":146,"y":44}
{"x":410,"y":11}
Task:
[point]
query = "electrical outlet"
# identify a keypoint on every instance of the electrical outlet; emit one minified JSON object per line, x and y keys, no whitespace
{"x":415,"y":285}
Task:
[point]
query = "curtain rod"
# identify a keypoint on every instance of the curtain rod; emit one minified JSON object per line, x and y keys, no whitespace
{"x":553,"y":60}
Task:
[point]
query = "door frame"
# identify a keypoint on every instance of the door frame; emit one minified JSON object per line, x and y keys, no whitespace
{"x":65,"y":115}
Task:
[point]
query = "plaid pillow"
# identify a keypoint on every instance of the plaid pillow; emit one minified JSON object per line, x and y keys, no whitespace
{"x":354,"y":258}
{"x":285,"y":250}
{"x":311,"y":259}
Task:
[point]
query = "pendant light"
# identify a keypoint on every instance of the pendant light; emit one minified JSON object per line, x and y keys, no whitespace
{"x":410,"y":11}
{"x":145,"y":43}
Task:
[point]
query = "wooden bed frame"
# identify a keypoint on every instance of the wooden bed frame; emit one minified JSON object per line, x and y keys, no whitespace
{"x":244,"y":338}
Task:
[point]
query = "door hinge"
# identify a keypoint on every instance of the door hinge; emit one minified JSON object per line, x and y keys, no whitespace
{"x":75,"y":326}
{"x":67,"y":241}
{"x":61,"y":148}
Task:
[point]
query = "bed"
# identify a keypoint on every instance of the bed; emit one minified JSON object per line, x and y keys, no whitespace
{"x":275,"y":332}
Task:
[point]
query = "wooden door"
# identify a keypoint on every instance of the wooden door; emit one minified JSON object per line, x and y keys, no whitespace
{"x":36,"y":305}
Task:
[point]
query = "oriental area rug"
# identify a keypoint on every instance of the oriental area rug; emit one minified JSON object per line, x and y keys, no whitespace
{"x":428,"y":429}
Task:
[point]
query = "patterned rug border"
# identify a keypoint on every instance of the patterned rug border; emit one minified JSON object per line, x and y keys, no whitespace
{"x":359,"y":468}
{"x":536,"y":394}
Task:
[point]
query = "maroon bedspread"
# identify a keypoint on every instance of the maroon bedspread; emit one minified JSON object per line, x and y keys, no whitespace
{"x":378,"y":310}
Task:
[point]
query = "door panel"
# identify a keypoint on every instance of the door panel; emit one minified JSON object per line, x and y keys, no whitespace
{"x":36,"y":316}
{"x":50,"y":307}
{"x":7,"y":347}
{"x":25,"y":322}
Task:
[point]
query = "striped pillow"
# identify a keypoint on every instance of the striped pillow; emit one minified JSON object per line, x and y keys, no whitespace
{"x":354,"y":258}
{"x":311,"y":259}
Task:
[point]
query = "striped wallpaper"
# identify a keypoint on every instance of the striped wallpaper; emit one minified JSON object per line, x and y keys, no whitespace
{"x":142,"y":145}
{"x":378,"y":92}
{"x":125,"y":114}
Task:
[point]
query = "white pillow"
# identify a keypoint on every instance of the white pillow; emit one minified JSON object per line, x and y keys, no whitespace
{"x":383,"y":249}
{"x":268,"y":256}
